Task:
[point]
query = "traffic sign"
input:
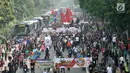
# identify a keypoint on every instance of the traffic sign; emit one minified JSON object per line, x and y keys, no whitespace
{"x":120,"y":7}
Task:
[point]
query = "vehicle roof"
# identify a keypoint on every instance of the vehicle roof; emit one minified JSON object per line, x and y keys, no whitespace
{"x":28,"y":22}
{"x":45,"y":15}
{"x":35,"y":18}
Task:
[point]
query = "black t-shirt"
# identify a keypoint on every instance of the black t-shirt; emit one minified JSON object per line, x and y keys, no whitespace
{"x":90,"y":67}
{"x":104,"y":70}
{"x":10,"y":65}
{"x":32,"y":65}
{"x":25,"y":67}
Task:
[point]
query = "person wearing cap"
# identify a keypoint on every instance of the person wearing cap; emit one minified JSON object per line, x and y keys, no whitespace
{"x":5,"y":70}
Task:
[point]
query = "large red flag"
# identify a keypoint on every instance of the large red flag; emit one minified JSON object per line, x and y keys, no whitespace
{"x":53,"y":12}
{"x":68,"y":15}
{"x":65,"y":19}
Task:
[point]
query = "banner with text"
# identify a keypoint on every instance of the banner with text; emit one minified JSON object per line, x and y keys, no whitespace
{"x":72,"y":62}
{"x":44,"y":63}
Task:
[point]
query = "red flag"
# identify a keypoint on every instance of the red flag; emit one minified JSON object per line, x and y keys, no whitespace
{"x":53,"y":12}
{"x":65,"y":19}
{"x":68,"y":15}
{"x":62,"y":17}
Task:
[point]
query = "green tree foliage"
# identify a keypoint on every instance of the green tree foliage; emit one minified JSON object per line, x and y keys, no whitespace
{"x":6,"y":12}
{"x":29,"y":8}
{"x":23,"y":8}
{"x":19,"y":10}
{"x":106,"y":10}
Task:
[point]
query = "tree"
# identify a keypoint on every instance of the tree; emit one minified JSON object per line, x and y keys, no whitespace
{"x":6,"y":12}
{"x":19,"y":10}
{"x":106,"y":10}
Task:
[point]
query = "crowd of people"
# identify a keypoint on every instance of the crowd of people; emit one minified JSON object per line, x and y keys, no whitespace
{"x":78,"y":45}
{"x":17,"y":50}
{"x":112,"y":47}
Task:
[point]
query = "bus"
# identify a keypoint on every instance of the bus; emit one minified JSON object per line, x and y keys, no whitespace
{"x":46,"y":18}
{"x":41,"y":22}
{"x":26,"y":27}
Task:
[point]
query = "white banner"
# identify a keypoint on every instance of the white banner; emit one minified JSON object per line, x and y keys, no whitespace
{"x":73,"y":62}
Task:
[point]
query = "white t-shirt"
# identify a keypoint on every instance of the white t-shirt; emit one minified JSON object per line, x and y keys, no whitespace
{"x":104,"y":39}
{"x":109,"y":70}
{"x":3,"y":51}
{"x":75,"y":50}
{"x":38,"y":39}
{"x":121,"y":59}
{"x":77,"y":38}
{"x":114,"y":39}
{"x":94,"y":44}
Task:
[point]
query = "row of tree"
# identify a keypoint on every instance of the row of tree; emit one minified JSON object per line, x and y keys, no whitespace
{"x":13,"y":11}
{"x":107,"y":12}
{"x":20,"y":9}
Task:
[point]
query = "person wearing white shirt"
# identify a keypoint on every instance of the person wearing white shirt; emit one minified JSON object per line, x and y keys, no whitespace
{"x":77,"y":39}
{"x":121,"y":60}
{"x":109,"y":69}
{"x":75,"y":51}
{"x":104,"y":39}
{"x":114,"y":40}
